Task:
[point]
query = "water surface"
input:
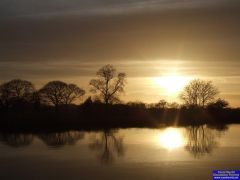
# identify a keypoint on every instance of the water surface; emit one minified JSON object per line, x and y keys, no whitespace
{"x":164,"y":153}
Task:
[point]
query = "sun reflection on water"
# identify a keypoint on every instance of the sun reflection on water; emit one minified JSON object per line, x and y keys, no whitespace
{"x":171,"y":138}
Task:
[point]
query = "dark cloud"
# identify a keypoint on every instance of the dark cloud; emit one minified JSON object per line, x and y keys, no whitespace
{"x":191,"y":35}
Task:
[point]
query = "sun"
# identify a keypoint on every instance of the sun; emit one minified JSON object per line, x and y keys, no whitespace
{"x":171,"y":138}
{"x":172,"y":83}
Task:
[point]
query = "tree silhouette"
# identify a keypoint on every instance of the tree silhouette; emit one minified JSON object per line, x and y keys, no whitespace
{"x":161,"y":104}
{"x":137,"y":104}
{"x":219,"y":104}
{"x":73,"y":92}
{"x":53,"y":93}
{"x":173,"y":105}
{"x":58,"y":93}
{"x":199,"y":93}
{"x":16,"y":91}
{"x":109,"y":84}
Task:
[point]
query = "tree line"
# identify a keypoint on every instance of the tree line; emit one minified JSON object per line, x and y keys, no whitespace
{"x":107,"y":85}
{"x":18,"y":92}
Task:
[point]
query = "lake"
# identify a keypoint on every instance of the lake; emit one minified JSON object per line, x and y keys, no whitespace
{"x":136,"y":153}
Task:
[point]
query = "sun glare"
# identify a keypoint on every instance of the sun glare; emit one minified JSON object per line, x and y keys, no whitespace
{"x":171,"y":138}
{"x":173,"y":83}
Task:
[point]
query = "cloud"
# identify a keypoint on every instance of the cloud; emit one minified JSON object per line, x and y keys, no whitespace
{"x":58,"y":7}
{"x":70,"y":40}
{"x":189,"y":35}
{"x":134,"y":69}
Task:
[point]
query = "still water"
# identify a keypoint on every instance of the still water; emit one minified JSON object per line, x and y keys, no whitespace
{"x":164,"y":153}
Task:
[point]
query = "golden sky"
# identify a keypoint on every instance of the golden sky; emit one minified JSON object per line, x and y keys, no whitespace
{"x":152,"y":41}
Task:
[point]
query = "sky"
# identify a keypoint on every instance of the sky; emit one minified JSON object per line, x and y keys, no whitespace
{"x":153,"y":41}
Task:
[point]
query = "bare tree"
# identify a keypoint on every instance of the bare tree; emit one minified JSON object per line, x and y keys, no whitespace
{"x":72,"y":93}
{"x":15,"y":91}
{"x":53,"y":93}
{"x":199,"y":93}
{"x":109,"y":84}
{"x":58,"y":93}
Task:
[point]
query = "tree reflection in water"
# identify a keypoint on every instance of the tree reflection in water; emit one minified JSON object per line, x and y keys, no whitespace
{"x":60,"y":139}
{"x":16,"y":139}
{"x":201,"y":140}
{"x":109,"y":146}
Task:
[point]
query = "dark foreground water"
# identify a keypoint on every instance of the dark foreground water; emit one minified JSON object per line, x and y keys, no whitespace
{"x":165,"y":153}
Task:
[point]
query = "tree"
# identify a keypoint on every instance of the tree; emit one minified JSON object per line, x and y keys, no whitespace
{"x":137,"y":104}
{"x":173,"y":105}
{"x":199,"y":93}
{"x":53,"y":93}
{"x":73,"y":92}
{"x":58,"y":93}
{"x":108,"y":84}
{"x":16,"y":91}
{"x":219,"y":104}
{"x":161,"y":104}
